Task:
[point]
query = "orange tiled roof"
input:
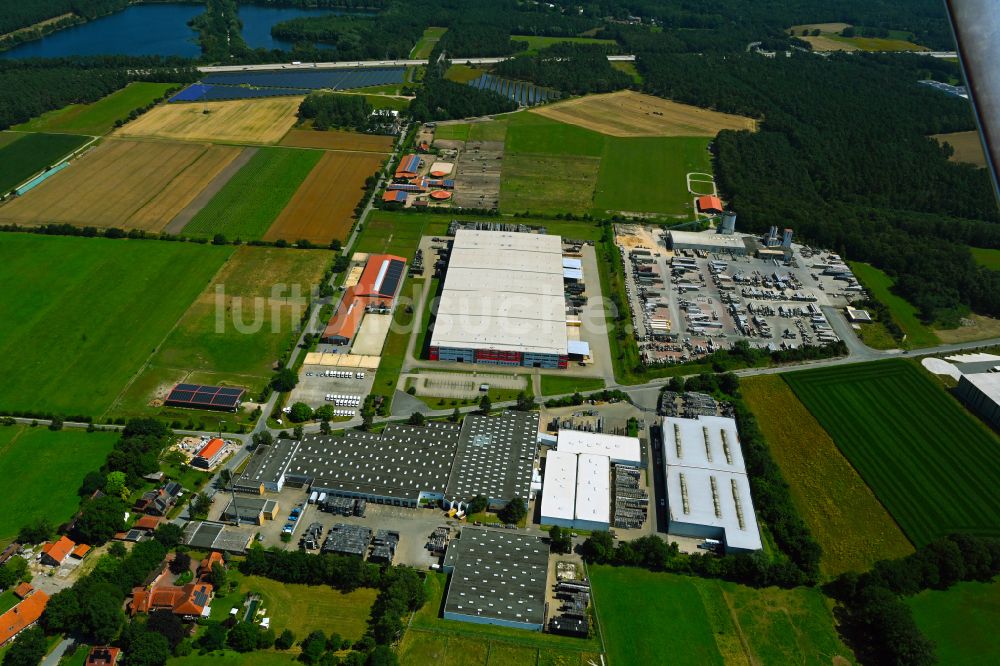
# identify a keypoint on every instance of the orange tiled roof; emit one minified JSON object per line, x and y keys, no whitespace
{"x":58,"y":550}
{"x":22,"y":616}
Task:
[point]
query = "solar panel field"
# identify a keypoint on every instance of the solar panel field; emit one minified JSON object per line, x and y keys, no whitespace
{"x":239,"y":121}
{"x":206,"y":92}
{"x":928,"y":460}
{"x":23,"y":158}
{"x":525,"y":94}
{"x":84,"y":321}
{"x":312,"y":79}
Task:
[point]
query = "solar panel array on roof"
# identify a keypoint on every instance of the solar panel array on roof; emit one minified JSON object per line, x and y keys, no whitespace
{"x":198,"y":396}
{"x":390,"y":280}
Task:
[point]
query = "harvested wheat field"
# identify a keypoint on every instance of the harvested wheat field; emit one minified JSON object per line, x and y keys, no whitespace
{"x":239,"y":121}
{"x":968,"y":147}
{"x":824,"y":43}
{"x":323,"y":206}
{"x":125,"y":184}
{"x":627,"y":113}
{"x":336,"y":140}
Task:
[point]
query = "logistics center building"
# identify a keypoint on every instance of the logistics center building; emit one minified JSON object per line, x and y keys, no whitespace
{"x":503,"y":301}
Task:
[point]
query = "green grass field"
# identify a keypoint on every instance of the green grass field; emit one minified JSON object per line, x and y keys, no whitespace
{"x":878,"y":43}
{"x":548,"y":184}
{"x":7,"y":138}
{"x":31,"y":154}
{"x":427,"y":42}
{"x":452,"y":132}
{"x":98,"y":118}
{"x":32,"y":458}
{"x":243,"y":208}
{"x":702,"y":621}
{"x":556,"y":385}
{"x":985,"y":257}
{"x":878,"y":284}
{"x":628,"y":68}
{"x":842,"y":513}
{"x":463,"y":73}
{"x":926,"y":458}
{"x":537,"y":43}
{"x":961,"y":621}
{"x":532,"y":133}
{"x":89,"y":312}
{"x":877,"y":336}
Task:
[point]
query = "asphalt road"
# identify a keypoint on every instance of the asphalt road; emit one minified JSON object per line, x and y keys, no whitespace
{"x":351,"y":64}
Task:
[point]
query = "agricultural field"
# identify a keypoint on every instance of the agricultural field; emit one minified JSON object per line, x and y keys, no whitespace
{"x":925,"y":457}
{"x":628,"y":114}
{"x":967,"y":147}
{"x":843,"y":514}
{"x":124,"y":184}
{"x":529,"y":132}
{"x":622,"y":187}
{"x":830,"y":39}
{"x":338,"y":140}
{"x":239,"y":121}
{"x":98,"y":118}
{"x":323,"y":207}
{"x":961,"y":621}
{"x":7,"y":138}
{"x":704,"y":621}
{"x":234,"y":331}
{"x":36,"y":456}
{"x":557,"y":385}
{"x":242,"y":208}
{"x":878,"y":283}
{"x":985,"y":257}
{"x":426,"y":44}
{"x":20,"y":159}
{"x":85,"y":322}
{"x":548,"y":184}
{"x":536,"y":43}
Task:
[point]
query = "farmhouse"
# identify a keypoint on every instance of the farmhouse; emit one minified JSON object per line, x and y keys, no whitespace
{"x":189,"y":601}
{"x":54,"y":553}
{"x":981,"y":393}
{"x":503,"y":301}
{"x":158,"y":502}
{"x":376,"y":290}
{"x":496,"y":578}
{"x":708,"y":493}
{"x":210,"y":454}
{"x":22,"y":615}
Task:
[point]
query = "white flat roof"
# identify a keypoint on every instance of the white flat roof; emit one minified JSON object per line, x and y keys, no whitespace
{"x":503,"y":291}
{"x":572,"y":262}
{"x":709,"y":442}
{"x":707,"y":238}
{"x":559,"y":486}
{"x":623,"y":450}
{"x":735,"y":507}
{"x":593,"y":488}
{"x":987,"y":382}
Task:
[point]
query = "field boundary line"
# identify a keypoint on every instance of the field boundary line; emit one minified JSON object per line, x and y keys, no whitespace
{"x":65,"y":158}
{"x":167,"y":184}
{"x":739,"y":628}
{"x":597,"y":616}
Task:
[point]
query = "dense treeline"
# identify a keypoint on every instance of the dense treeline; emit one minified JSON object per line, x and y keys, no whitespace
{"x":388,"y":35}
{"x":852,"y":169}
{"x":572,"y":68}
{"x":440,"y":99}
{"x":328,"y":110}
{"x":220,"y":31}
{"x":872,"y":614}
{"x":340,"y":572}
{"x":321,"y":4}
{"x":32,"y":87}
{"x":23,"y":13}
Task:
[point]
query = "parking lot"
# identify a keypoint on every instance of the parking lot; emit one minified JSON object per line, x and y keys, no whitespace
{"x":314,"y":385}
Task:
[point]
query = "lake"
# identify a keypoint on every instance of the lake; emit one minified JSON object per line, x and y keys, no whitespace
{"x":155,"y":29}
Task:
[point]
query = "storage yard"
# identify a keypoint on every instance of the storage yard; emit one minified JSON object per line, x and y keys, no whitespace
{"x":243,"y":121}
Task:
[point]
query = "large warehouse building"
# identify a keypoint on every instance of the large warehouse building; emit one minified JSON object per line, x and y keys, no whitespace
{"x":709,"y":241}
{"x":981,"y":392}
{"x":708,"y":493}
{"x":503,"y":301}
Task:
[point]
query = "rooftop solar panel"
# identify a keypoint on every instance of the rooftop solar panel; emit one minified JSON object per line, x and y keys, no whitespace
{"x":180,"y":396}
{"x":187,"y":387}
{"x":231,"y":391}
{"x":225,"y":400}
{"x":392,"y":277}
{"x":202,"y":399}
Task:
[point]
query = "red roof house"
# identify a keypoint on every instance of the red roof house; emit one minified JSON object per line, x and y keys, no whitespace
{"x":710,"y":204}
{"x":54,"y":552}
{"x":22,"y":616}
{"x":103,"y":656}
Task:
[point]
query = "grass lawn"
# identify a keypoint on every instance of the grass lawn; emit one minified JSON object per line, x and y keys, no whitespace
{"x":985,"y":257}
{"x":86,"y":315}
{"x":453,"y":132}
{"x":7,"y":138}
{"x":36,"y":456}
{"x":628,"y":68}
{"x":557,"y":385}
{"x":905,"y":315}
{"x":385,"y":102}
{"x":961,"y":621}
{"x":228,"y":658}
{"x":877,"y":336}
{"x":925,"y":457}
{"x":7,"y":600}
{"x":548,"y":184}
{"x":463,"y":74}
{"x":842,"y":513}
{"x":244,"y":209}
{"x":649,"y":174}
{"x":537,"y":43}
{"x":24,"y":158}
{"x":426,"y":44}
{"x":99,"y":117}
{"x":399,"y":233}
{"x":396,"y":341}
{"x":702,"y":621}
{"x":532,"y":133}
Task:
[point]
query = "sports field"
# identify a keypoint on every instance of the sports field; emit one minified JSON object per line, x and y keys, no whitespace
{"x":427,"y":42}
{"x":879,"y":283}
{"x":961,"y":621}
{"x":843,"y":514}
{"x":927,"y":459}
{"x":124,"y":184}
{"x":235,"y":330}
{"x":85,"y":320}
{"x":239,"y":121}
{"x":23,"y":158}
{"x":967,"y":147}
{"x":32,"y":459}
{"x":703,"y":621}
{"x":98,"y":118}
{"x":323,"y":207}
{"x":627,"y":113}
{"x":242,"y":208}
{"x":338,"y":140}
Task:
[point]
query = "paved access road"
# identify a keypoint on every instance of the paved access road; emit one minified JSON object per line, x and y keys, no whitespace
{"x":351,"y":64}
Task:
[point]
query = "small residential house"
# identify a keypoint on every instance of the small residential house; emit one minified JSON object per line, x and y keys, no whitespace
{"x":22,"y":616}
{"x":103,"y":656}
{"x":158,"y":502}
{"x":54,"y":553}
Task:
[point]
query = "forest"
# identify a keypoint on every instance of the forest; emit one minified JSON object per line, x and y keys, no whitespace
{"x":572,"y":68}
{"x":220,"y":31}
{"x":390,"y":34}
{"x":23,"y":13}
{"x":330,"y":110}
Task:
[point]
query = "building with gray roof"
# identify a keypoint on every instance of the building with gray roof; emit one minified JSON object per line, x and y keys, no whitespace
{"x":204,"y":535}
{"x":495,"y":457}
{"x":267,"y":467}
{"x":498,"y":578}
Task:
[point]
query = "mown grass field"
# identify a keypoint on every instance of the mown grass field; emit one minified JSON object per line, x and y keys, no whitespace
{"x":877,"y":336}
{"x":243,"y":208}
{"x":986,"y":257}
{"x":961,"y":621}
{"x":31,"y":154}
{"x":44,"y":470}
{"x":556,"y":385}
{"x":878,"y":283}
{"x":703,"y":621}
{"x":85,"y":323}
{"x":7,"y":138}
{"x":537,"y":43}
{"x":878,"y":43}
{"x":927,"y":459}
{"x":432,"y":639}
{"x":843,"y":514}
{"x":98,"y":118}
{"x":463,"y":73}
{"x":427,"y":42}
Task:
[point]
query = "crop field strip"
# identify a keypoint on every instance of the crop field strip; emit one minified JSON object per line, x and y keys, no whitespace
{"x":20,"y":159}
{"x":126,"y":184}
{"x":930,"y":462}
{"x":253,"y":121}
{"x":98,"y":118}
{"x":323,"y":207}
{"x":338,"y":140}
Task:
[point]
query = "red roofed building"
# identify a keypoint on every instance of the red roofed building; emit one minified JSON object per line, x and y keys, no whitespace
{"x":710,"y":204}
{"x":376,"y":288}
{"x":394,"y":197}
{"x":22,"y":616}
{"x":408,"y":167}
{"x":54,"y":552}
{"x":346,"y":321}
{"x":103,"y":656}
{"x":190,"y":601}
{"x":80,"y":551}
{"x":23,"y":590}
{"x":147,"y":523}
{"x":210,"y":454}
{"x":205,"y":567}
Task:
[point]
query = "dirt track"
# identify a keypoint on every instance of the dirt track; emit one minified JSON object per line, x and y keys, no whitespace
{"x":182,"y":218}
